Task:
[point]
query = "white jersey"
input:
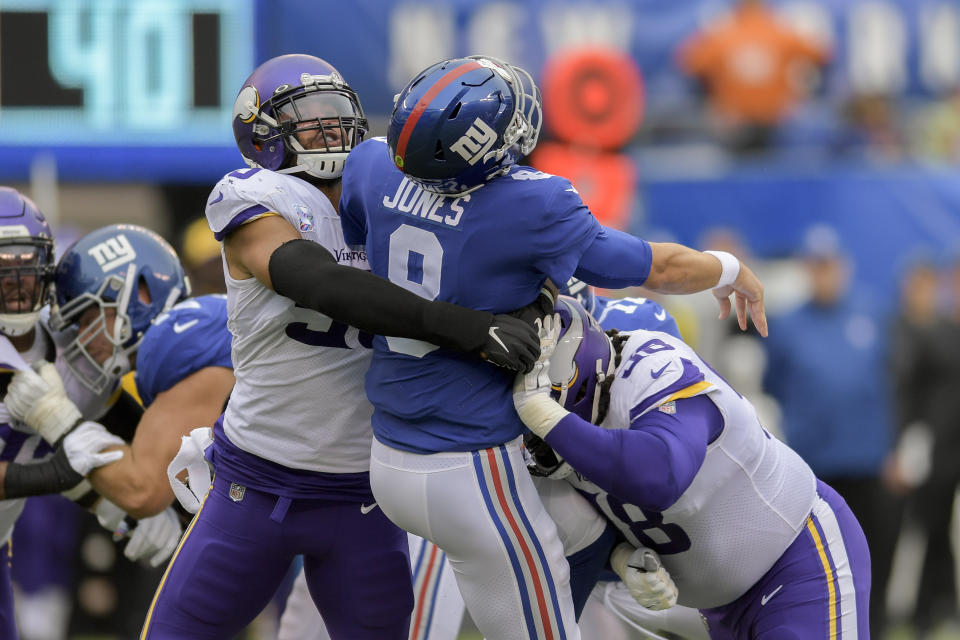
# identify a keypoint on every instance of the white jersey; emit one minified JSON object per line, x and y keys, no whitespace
{"x":747,"y":502}
{"x":298,"y":399}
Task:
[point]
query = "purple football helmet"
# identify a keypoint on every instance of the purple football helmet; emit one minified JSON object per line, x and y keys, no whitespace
{"x":26,"y":262}
{"x":462,"y":122}
{"x":583,"y":359}
{"x":295,"y":113}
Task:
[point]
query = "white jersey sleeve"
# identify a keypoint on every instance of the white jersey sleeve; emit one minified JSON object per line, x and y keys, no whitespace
{"x":248,"y":194}
{"x":656,"y":369}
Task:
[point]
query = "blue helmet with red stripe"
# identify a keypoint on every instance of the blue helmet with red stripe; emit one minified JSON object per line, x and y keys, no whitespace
{"x":462,"y":122}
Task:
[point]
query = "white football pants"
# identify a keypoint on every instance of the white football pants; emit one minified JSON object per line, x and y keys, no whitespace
{"x":482,"y":509}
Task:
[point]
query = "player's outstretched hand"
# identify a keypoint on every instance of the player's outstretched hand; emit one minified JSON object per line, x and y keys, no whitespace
{"x":640,"y":569}
{"x":748,"y":294}
{"x":511,"y":343}
{"x":38,"y":400}
{"x":191,"y":458}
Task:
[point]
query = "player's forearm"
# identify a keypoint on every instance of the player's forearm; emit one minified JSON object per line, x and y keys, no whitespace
{"x":37,"y":479}
{"x":133,"y":485}
{"x":306,"y":273}
{"x":679,"y":269}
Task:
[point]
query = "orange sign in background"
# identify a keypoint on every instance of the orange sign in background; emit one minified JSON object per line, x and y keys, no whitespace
{"x":593,"y":106}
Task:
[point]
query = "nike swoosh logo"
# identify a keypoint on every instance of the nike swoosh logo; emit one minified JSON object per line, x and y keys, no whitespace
{"x":767,"y":597}
{"x":493,"y":334}
{"x":657,"y":374}
{"x":180,"y":328}
{"x":661,"y":315}
{"x":367,"y":508}
{"x":217,"y":199}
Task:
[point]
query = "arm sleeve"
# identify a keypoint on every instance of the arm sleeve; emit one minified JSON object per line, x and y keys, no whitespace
{"x":615,"y":260}
{"x":650,"y":464}
{"x":309,"y":275}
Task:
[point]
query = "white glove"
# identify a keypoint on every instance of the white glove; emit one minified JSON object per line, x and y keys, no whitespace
{"x":640,"y":569}
{"x":156,"y":537}
{"x":40,"y":402}
{"x":109,"y":515}
{"x":190,"y":458}
{"x":83,"y":447}
{"x":531,"y":391}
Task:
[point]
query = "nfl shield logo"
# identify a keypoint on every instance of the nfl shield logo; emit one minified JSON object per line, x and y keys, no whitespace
{"x":236,"y":492}
{"x":306,"y":218}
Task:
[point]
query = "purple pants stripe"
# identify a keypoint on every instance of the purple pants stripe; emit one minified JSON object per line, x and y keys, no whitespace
{"x":819,"y":589}
{"x":240,"y":545}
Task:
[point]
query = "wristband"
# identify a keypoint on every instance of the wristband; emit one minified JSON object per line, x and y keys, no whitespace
{"x":730,"y":268}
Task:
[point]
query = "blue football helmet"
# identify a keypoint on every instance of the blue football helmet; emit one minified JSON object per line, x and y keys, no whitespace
{"x":582,"y":292}
{"x":121,"y":269}
{"x":583,"y":359}
{"x":462,"y":122}
{"x":26,"y":262}
{"x":295,"y":113}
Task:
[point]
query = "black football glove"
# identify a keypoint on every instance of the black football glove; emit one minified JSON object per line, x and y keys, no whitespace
{"x":539,"y":308}
{"x":543,"y":461}
{"x":511,"y":343}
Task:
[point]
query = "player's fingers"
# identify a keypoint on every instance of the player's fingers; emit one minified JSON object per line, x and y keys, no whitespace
{"x":759,"y":315}
{"x":741,"y":302}
{"x":724,"y":303}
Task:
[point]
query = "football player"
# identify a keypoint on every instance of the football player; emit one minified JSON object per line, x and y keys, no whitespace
{"x":443,"y":208}
{"x":110,"y":284}
{"x":28,"y":464}
{"x":611,"y":611}
{"x":180,"y":354}
{"x":291,"y":451}
{"x":682,"y":466}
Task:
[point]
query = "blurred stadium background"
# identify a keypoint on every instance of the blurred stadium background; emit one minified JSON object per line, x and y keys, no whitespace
{"x":821,"y":145}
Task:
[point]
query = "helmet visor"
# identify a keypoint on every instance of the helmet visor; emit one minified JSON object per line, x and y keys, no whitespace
{"x":321,"y":121}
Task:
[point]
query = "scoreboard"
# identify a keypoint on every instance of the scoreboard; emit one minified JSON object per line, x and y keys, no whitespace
{"x":122,"y":86}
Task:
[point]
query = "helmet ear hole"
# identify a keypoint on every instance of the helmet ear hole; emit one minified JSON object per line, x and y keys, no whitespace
{"x":455,"y":112}
{"x":438,"y":152}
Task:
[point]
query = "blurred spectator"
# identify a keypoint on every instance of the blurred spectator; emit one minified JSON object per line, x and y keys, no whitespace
{"x":751,"y":64}
{"x":873,"y":128}
{"x":938,"y":129}
{"x":927,"y":373}
{"x":828,"y":368}
{"x":201,"y":258}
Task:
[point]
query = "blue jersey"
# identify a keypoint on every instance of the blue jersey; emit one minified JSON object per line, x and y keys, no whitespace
{"x":628,"y":314}
{"x":189,"y":337}
{"x":491,"y":250}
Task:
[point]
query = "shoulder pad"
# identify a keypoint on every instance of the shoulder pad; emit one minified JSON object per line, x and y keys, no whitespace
{"x":654,"y":370}
{"x":242,"y":196}
{"x":190,"y":336}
